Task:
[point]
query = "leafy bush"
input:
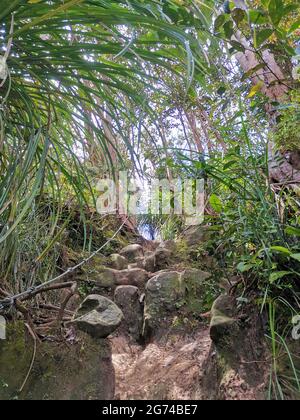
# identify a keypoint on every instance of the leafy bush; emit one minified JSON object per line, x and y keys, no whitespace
{"x":287,"y":134}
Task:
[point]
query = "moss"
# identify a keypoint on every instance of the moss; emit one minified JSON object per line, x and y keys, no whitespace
{"x":182,"y":251}
{"x":63,"y":371}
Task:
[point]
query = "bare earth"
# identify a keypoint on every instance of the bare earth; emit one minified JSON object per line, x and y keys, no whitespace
{"x":168,"y":369}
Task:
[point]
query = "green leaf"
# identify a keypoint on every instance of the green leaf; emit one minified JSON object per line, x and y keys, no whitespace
{"x":228,"y":29}
{"x":258,"y":17}
{"x":216,"y":203}
{"x":294,"y":26}
{"x":238,"y":15}
{"x":229,"y":164}
{"x":237,"y":46}
{"x":277,"y":275}
{"x":281,"y":250}
{"x":292,"y":231}
{"x":219,"y":22}
{"x":275,"y":10}
{"x":278,"y":11}
{"x":262,"y":36}
{"x":296,"y":257}
{"x":244,"y":267}
{"x":290,"y":8}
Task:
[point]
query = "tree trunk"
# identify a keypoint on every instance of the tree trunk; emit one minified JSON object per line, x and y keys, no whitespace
{"x":283,"y":168}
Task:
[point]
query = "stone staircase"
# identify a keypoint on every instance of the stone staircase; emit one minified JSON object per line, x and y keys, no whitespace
{"x":151,"y":308}
{"x":140,"y":333}
{"x":144,"y":285}
{"x":158,"y":346}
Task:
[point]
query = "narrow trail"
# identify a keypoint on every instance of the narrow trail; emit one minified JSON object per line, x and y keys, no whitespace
{"x":155,"y":304}
{"x":142,"y":334}
{"x":164,"y":370}
{"x":168,"y":365}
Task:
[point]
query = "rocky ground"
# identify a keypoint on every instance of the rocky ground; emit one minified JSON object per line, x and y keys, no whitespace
{"x":145,"y":311}
{"x":164,"y":348}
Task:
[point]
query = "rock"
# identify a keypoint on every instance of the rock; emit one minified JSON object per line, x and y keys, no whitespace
{"x":237,"y":342}
{"x":131,"y":252}
{"x":139,"y":263}
{"x":196,"y":285}
{"x":162,"y":258}
{"x":169,"y":244}
{"x":81,"y":370}
{"x":134,"y":277}
{"x":169,"y":292}
{"x":223,"y":324}
{"x":128,"y":299}
{"x":146,"y":263}
{"x":98,"y":316}
{"x":149,"y":263}
{"x":148,"y":254}
{"x":118,"y":262}
{"x":100,"y":277}
{"x":133,"y":266}
{"x":195,"y":235}
{"x":163,"y":293}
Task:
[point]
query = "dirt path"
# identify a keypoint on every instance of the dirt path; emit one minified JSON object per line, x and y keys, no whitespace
{"x":168,"y":369}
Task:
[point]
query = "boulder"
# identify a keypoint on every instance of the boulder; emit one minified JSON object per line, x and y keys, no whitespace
{"x":133,"y":277}
{"x":238,"y":344}
{"x":169,"y":292}
{"x":128,"y":299}
{"x":139,"y":263}
{"x":98,"y":316}
{"x":195,"y":282}
{"x":148,"y":254}
{"x":118,"y":262}
{"x":162,"y":258}
{"x":195,"y":235}
{"x":100,"y":277}
{"x":163,"y":293}
{"x":133,"y":266}
{"x":131,"y":252}
{"x":80,"y":369}
{"x":223,"y":324}
{"x":149,"y":263}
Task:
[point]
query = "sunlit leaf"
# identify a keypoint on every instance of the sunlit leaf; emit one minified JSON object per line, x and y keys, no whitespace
{"x":255,"y":89}
{"x":293,"y":231}
{"x":216,"y":203}
{"x":296,"y":257}
{"x":278,"y":275}
{"x":281,"y":250}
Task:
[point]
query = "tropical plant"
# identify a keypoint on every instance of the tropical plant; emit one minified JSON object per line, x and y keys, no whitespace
{"x":74,"y":76}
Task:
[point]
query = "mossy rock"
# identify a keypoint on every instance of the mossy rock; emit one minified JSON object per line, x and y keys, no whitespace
{"x":172,"y":293}
{"x":80,"y":371}
{"x":196,"y":284}
{"x":131,"y":252}
{"x":117,"y":262}
{"x":100,"y":276}
{"x":163,"y":293}
{"x":224,"y":327}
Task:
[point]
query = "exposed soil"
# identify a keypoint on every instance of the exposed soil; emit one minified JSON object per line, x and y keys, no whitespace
{"x":168,"y":369}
